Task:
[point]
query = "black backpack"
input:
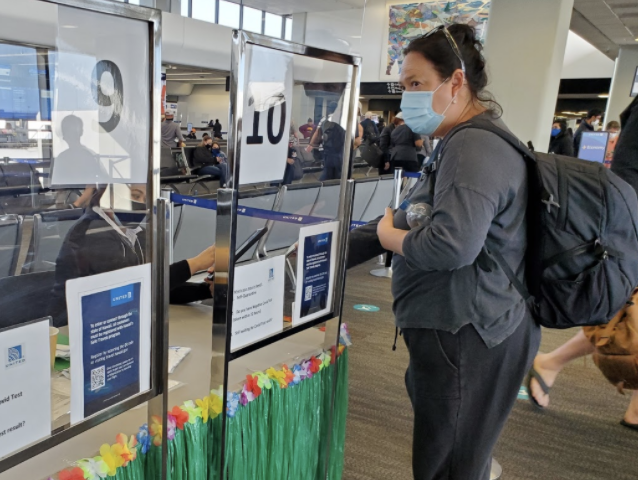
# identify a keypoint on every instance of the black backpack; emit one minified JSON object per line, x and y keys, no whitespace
{"x":334,"y":136}
{"x":582,"y":257}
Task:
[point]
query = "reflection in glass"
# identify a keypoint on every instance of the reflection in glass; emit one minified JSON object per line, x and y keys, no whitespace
{"x":202,"y":10}
{"x":228,"y":14}
{"x":252,"y":20}
{"x":273,"y":25}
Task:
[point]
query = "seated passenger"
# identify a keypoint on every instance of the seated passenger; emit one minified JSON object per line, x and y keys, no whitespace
{"x":192,"y":135}
{"x":211,"y":160}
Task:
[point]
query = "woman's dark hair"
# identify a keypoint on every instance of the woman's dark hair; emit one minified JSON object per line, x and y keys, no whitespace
{"x":436,"y":48}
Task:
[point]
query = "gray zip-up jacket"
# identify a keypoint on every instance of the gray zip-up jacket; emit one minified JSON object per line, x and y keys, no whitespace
{"x":446,"y":278}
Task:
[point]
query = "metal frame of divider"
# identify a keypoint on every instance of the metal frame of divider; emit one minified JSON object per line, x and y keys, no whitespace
{"x":159,"y":253}
{"x":227,"y":199}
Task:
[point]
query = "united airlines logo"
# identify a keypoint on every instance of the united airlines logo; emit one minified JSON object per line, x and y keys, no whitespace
{"x":15,"y":356}
{"x":292,"y":217}
{"x":122,"y":295}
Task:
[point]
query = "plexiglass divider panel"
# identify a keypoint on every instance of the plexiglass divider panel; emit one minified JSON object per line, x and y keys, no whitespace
{"x":277,"y":317}
{"x":84,"y":267}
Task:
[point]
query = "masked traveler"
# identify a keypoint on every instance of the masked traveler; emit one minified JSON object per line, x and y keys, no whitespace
{"x":469,"y":335}
{"x":211,"y":160}
{"x":561,"y":143}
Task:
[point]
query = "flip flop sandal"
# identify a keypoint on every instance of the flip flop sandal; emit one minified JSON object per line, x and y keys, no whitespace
{"x":632,"y":426}
{"x":533,"y":374}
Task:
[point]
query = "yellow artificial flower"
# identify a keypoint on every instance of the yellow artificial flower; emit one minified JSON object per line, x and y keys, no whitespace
{"x":216,"y":405}
{"x":112,"y":457}
{"x":204,"y":404}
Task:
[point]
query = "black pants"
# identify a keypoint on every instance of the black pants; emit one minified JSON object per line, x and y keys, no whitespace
{"x":462,"y":393}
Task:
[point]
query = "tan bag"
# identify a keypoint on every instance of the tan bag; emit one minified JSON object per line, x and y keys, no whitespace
{"x":616,"y":345}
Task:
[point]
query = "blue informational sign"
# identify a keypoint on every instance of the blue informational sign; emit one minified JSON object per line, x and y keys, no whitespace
{"x":316,"y":273}
{"x":111,"y":346}
{"x":593,"y":146}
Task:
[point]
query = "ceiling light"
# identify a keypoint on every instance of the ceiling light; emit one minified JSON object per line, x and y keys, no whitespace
{"x":603,"y":95}
{"x":69,"y":26}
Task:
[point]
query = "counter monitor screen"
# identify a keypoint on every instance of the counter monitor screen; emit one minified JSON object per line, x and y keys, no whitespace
{"x":189,"y":127}
{"x":593,"y":146}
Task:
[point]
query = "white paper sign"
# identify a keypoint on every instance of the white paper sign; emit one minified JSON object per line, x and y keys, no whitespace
{"x":25,"y":386}
{"x":315,"y":271}
{"x":110,"y":338}
{"x":101,"y":114}
{"x":258,"y":305}
{"x":266,"y":117}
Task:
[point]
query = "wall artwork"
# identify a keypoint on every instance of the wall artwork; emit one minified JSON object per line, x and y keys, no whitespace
{"x":407,"y":21}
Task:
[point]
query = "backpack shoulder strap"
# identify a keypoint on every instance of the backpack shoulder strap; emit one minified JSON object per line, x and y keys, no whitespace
{"x":482,"y":124}
{"x":530,"y":161}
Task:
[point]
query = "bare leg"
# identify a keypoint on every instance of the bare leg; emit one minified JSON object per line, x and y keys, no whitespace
{"x":549,"y":365}
{"x":631,"y":416}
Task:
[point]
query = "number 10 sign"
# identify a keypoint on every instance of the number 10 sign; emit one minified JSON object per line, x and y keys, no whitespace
{"x":266,"y":115}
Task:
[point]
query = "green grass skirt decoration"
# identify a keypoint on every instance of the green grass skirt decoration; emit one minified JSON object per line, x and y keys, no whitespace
{"x":284,"y":434}
{"x":278,"y":436}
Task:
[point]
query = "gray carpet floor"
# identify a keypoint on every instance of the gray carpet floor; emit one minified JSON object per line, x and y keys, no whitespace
{"x":577,"y":438}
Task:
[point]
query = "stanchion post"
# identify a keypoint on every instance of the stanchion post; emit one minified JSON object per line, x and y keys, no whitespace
{"x":166,"y":193}
{"x":386,"y":272}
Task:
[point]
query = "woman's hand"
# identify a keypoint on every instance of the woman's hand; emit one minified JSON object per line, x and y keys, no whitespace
{"x":391,"y":238}
{"x":291,"y":161}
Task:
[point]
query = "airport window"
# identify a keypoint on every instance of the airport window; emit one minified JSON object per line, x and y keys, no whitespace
{"x":288,"y":32}
{"x":203,"y":10}
{"x":228,"y":14}
{"x":273,"y":25}
{"x":234,"y":15}
{"x":252,"y":20}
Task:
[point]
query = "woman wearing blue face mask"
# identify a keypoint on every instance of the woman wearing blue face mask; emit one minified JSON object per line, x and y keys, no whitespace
{"x":561,"y":142}
{"x":469,"y":335}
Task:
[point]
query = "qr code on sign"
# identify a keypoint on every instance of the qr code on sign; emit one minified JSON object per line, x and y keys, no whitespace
{"x":308,"y":293}
{"x":98,"y":378}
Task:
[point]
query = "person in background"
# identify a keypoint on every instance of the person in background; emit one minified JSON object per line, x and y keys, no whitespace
{"x":217,"y":129}
{"x":381,"y":124}
{"x":404,"y":144}
{"x":468,"y":333}
{"x":210,"y":160}
{"x":384,"y":144}
{"x":589,"y":124}
{"x":192,"y":135}
{"x":307,"y":129}
{"x":294,"y":169}
{"x":613,"y":128}
{"x":171,"y":132}
{"x":331,"y":136}
{"x":547,"y":366}
{"x":561,"y":143}
{"x":370,"y":130}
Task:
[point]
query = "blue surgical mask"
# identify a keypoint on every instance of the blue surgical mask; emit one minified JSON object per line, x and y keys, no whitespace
{"x":418,"y":113}
{"x":555,"y":131}
{"x":215,"y":151}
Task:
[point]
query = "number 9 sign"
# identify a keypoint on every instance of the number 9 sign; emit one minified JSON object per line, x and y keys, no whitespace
{"x":115,"y":99}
